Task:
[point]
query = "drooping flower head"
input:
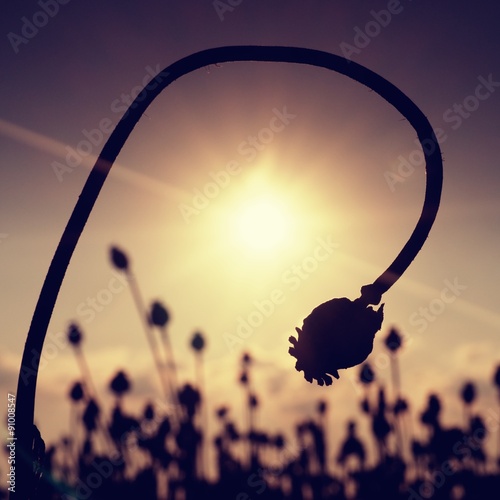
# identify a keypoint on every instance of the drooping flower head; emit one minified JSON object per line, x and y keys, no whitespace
{"x":337,"y":334}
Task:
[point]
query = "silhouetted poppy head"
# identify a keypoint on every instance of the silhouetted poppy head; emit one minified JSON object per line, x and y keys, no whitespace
{"x":90,"y":416}
{"x":119,"y":259}
{"x":496,"y":377}
{"x":366,"y":374}
{"x":149,"y":412}
{"x":164,"y":429}
{"x":198,"y":342}
{"x":279,"y":441}
{"x":365,"y":406}
{"x":76,"y":393}
{"x":190,"y":398}
{"x":468,"y":393}
{"x":159,"y":315}
{"x":431,"y":413}
{"x":478,"y":428}
{"x":400,"y":407}
{"x":253,"y":402}
{"x":120,"y":384}
{"x":322,"y":407}
{"x":222,"y":412}
{"x":74,"y":335}
{"x":336,"y":335}
{"x":244,"y":378}
{"x":246,"y":359}
{"x":231,"y":432}
{"x":393,"y":341}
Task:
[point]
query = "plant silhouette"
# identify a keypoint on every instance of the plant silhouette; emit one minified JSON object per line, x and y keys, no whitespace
{"x":370,"y":294}
{"x":156,"y":452}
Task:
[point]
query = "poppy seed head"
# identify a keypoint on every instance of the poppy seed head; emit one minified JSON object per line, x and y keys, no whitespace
{"x":119,"y":259}
{"x":337,"y":334}
{"x":198,"y":342}
{"x":74,"y":335}
{"x":159,"y":315}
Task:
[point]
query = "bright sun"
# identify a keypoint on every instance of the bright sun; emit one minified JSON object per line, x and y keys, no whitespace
{"x":262,"y":218}
{"x":263,"y":225}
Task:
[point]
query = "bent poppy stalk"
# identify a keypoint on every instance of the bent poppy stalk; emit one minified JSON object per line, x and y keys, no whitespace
{"x":26,"y":388}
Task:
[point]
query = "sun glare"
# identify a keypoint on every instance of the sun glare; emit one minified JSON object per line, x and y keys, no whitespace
{"x":263,"y":225}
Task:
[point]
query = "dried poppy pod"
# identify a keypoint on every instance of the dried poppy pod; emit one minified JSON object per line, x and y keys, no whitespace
{"x":337,"y":334}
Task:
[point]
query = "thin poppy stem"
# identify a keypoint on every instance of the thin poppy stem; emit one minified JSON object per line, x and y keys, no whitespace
{"x":396,"y":383}
{"x":170,"y":365}
{"x":85,"y":371}
{"x":91,"y":388}
{"x":204,"y":414}
{"x":167,"y":388}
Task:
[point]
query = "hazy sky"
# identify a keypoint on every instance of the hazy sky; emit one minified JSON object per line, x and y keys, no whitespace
{"x":337,"y":164}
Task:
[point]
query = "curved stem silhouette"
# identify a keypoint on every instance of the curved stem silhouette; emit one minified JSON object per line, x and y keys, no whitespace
{"x":26,"y":388}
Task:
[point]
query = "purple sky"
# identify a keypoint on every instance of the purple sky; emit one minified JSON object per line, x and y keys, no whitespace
{"x":339,"y":161}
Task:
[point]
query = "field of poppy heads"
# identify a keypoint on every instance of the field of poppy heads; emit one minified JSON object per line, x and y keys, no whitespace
{"x":161,"y":451}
